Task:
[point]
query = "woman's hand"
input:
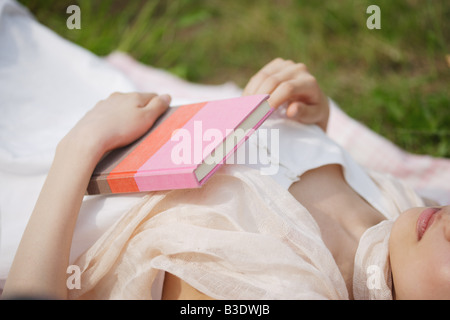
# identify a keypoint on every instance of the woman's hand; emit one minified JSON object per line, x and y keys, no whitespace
{"x":40,"y":265}
{"x":291,"y":83}
{"x":118,"y":120}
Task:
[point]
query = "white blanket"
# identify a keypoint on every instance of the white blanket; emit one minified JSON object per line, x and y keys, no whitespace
{"x":46,"y":85}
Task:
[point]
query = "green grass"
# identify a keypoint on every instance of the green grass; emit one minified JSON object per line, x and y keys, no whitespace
{"x":395,"y":80}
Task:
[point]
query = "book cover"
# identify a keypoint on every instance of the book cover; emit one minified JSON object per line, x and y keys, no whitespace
{"x":184,"y":147}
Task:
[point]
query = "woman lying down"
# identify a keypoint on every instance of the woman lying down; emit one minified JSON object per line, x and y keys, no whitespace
{"x":321,"y":228}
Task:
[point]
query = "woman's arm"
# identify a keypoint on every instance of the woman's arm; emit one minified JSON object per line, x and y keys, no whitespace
{"x":291,"y":83}
{"x":41,"y":261}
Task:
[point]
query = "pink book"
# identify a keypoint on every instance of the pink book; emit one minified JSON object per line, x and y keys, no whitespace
{"x":184,"y":147}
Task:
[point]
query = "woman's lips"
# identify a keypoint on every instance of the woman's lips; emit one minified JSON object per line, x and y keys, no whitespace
{"x":425,"y":220}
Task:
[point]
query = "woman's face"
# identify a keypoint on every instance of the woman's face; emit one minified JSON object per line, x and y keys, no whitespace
{"x":420,"y":254}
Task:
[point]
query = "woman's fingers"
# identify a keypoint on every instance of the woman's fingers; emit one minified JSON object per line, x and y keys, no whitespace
{"x":309,"y":114}
{"x":273,"y":67}
{"x":156,"y":106}
{"x":282,"y":79}
{"x":273,"y":81}
{"x":144,"y":98}
{"x":295,"y":109}
{"x":291,"y":83}
{"x":158,"y":102}
{"x":303,"y":89}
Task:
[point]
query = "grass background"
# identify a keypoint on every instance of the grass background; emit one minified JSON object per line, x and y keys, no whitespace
{"x":395,"y":80}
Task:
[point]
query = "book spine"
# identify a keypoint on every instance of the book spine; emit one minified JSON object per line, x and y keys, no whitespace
{"x":144,"y":182}
{"x":98,"y":185}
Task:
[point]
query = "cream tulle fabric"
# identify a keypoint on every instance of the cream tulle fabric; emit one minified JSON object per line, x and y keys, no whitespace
{"x":241,"y":236}
{"x":372,"y":278}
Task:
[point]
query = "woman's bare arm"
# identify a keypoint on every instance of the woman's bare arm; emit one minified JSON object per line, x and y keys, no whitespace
{"x":41,"y":261}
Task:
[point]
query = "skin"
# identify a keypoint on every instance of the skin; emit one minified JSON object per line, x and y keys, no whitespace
{"x":291,"y":83}
{"x":39,"y":267}
{"x":40,"y":264}
{"x":342,"y":215}
{"x":287,"y":83}
{"x":421,"y":267}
